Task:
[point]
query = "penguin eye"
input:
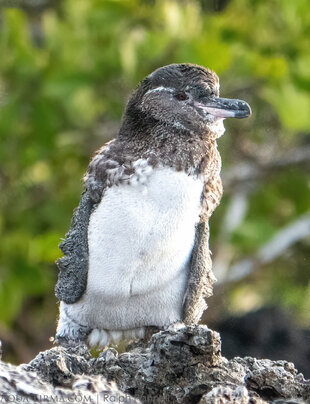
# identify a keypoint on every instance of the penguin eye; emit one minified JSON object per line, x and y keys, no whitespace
{"x":181,"y":96}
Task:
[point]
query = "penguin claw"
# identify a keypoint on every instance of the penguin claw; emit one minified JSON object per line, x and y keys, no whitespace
{"x":94,"y":338}
{"x":102,"y":338}
{"x":99,"y":338}
{"x":116,"y":336}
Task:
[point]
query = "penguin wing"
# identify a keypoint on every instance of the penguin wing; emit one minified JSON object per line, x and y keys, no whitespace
{"x":201,"y":277}
{"x":103,"y":171}
{"x":73,"y":267}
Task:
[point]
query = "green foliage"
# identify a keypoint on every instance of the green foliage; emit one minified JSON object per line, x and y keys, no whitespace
{"x":56,"y":100}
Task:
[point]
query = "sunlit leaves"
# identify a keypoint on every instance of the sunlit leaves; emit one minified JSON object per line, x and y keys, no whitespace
{"x":292,"y":105}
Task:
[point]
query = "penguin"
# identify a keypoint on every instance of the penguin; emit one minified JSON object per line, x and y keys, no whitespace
{"x":136,"y":257}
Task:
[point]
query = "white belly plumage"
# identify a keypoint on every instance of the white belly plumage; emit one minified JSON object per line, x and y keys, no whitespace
{"x":140,"y":239}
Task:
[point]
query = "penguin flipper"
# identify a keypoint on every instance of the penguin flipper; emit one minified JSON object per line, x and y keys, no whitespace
{"x":201,"y":277}
{"x":73,"y":267}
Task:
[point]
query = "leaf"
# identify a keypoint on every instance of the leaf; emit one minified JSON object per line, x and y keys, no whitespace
{"x":291,"y":104}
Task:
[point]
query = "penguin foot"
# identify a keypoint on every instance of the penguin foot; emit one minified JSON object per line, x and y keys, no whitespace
{"x":102,"y":338}
{"x":98,"y":338}
{"x":70,"y":332}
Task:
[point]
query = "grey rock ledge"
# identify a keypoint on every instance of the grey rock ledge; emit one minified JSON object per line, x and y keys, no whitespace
{"x":179,"y":365}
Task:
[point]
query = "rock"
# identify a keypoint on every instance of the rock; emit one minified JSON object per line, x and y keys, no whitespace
{"x":179,"y":365}
{"x":59,"y":365}
{"x":19,"y":384}
{"x":223,"y":395}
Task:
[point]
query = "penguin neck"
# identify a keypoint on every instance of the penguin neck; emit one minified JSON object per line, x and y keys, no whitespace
{"x":169,"y":145}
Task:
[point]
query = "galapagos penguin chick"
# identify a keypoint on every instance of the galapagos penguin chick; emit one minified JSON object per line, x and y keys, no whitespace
{"x":137,"y":254}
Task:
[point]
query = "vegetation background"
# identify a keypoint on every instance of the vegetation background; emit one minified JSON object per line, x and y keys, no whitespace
{"x":66,"y":69}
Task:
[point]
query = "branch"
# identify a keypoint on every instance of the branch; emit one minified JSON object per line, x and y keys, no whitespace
{"x":234,"y":216}
{"x":284,"y":239}
{"x":246,"y":173}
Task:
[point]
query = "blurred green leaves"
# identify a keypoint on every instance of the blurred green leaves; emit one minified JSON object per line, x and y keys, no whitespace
{"x":292,"y":105}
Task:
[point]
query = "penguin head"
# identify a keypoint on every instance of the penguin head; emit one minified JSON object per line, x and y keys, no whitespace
{"x":185,"y":97}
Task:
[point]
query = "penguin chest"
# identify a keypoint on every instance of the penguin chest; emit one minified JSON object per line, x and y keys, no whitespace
{"x":141,"y":235}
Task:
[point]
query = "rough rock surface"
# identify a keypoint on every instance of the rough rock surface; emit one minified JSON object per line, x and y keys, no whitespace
{"x":181,"y":365}
{"x":19,"y":385}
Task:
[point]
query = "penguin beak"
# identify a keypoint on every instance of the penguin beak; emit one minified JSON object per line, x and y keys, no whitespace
{"x":224,"y":107}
